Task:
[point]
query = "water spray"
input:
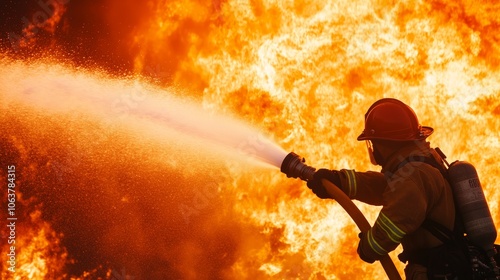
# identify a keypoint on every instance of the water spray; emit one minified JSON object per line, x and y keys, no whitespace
{"x":294,"y":166}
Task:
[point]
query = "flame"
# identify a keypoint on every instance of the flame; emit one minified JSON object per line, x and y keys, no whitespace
{"x":304,"y":72}
{"x":39,"y":254}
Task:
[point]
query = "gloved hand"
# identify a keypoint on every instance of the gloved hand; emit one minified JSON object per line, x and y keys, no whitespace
{"x":361,"y":245}
{"x":317,"y":186}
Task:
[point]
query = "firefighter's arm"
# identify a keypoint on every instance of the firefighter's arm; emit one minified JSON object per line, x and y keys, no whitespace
{"x":367,"y":187}
{"x":403,"y":212}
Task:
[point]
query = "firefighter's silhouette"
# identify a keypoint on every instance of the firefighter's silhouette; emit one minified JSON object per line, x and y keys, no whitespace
{"x":410,"y":192}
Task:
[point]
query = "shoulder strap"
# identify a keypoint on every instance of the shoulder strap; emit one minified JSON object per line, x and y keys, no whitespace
{"x":442,"y":233}
{"x":428,"y":160}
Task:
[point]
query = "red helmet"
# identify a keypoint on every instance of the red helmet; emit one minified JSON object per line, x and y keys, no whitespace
{"x":391,"y":119}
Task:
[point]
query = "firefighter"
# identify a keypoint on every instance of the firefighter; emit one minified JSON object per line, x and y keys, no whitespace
{"x":410,"y":192}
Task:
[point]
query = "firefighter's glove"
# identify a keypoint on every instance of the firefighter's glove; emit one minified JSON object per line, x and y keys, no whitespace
{"x":362,"y":248}
{"x":317,"y":186}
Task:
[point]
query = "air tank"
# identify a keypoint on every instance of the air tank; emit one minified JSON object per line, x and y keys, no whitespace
{"x":472,"y":205}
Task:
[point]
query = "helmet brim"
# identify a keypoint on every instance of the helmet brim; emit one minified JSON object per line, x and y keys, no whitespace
{"x":425,"y":131}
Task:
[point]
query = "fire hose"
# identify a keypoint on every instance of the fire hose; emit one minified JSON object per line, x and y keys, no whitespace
{"x":293,"y":166}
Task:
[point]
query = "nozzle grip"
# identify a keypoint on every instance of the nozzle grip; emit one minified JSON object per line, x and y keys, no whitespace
{"x":293,"y":166}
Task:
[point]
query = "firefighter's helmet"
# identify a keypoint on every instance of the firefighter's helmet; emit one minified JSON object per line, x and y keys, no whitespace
{"x":391,"y":119}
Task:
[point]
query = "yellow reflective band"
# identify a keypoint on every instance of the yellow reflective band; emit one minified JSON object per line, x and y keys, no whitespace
{"x":388,"y":232}
{"x":374,"y":244}
{"x":393,"y":231}
{"x":352,"y":182}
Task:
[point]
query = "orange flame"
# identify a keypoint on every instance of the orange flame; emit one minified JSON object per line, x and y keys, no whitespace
{"x":38,"y":252}
{"x":304,"y":72}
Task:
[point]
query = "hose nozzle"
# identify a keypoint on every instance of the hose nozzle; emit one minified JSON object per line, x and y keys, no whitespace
{"x":293,"y":166}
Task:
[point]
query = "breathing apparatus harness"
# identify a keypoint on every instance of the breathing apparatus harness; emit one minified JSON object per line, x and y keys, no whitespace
{"x":468,"y":251}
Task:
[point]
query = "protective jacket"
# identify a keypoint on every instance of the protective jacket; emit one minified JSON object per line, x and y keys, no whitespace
{"x":413,"y":193}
